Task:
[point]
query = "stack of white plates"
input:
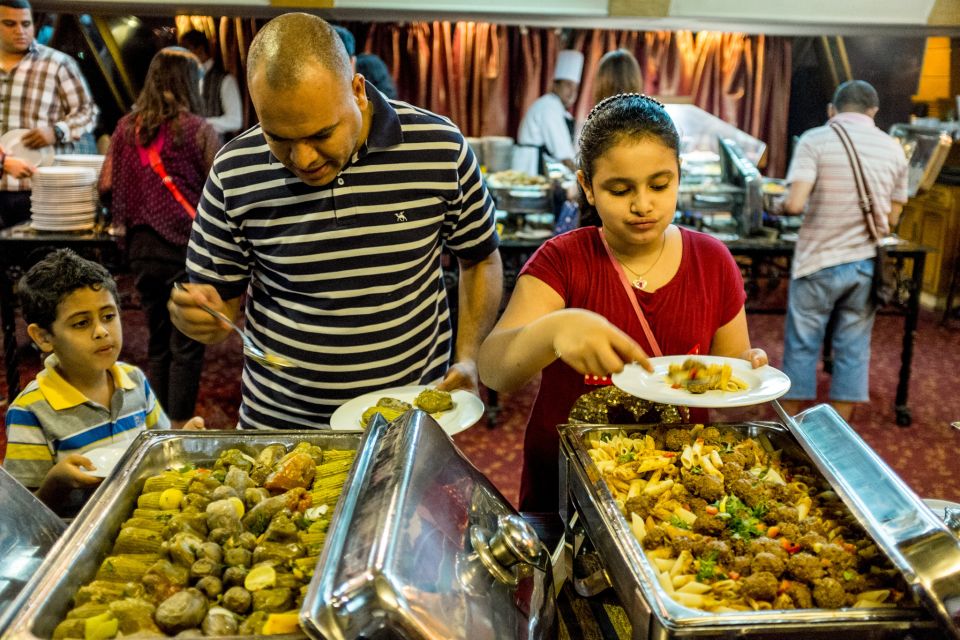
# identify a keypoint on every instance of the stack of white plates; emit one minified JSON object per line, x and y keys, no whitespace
{"x":63,"y":198}
{"x":89,"y":160}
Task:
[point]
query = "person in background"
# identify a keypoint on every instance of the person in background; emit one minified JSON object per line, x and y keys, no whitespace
{"x":617,"y":72}
{"x":548,"y":123}
{"x":832,"y":271}
{"x":325,"y":216}
{"x":349,"y":43}
{"x":83,"y":398}
{"x":375,"y":71}
{"x":580,"y":304}
{"x":41,"y":90}
{"x":163,"y":135}
{"x":220,"y":99}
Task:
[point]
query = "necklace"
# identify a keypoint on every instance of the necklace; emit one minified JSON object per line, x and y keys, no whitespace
{"x":639,"y":282}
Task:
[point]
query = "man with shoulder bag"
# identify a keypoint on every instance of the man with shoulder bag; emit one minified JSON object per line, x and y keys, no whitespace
{"x":849,"y":179}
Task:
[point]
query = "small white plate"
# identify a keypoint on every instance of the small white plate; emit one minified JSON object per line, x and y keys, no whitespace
{"x":105,"y":458}
{"x":763,"y":384}
{"x":467,"y":409}
{"x":12,"y":143}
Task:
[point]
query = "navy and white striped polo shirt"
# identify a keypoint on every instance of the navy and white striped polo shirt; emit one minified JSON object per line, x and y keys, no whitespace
{"x":345,"y":279}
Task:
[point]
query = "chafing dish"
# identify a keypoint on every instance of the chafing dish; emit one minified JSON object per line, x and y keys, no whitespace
{"x":28,"y":530}
{"x":912,"y":537}
{"x":421,"y":545}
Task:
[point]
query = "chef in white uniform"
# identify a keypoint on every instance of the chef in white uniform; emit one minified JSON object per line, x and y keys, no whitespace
{"x":548,"y":123}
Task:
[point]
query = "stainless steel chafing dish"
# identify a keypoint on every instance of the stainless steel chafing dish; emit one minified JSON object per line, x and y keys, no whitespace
{"x":915,"y":540}
{"x":421,"y":545}
{"x":28,"y":530}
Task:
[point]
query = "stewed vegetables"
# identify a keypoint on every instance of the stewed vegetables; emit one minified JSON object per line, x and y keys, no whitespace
{"x":226,"y":550}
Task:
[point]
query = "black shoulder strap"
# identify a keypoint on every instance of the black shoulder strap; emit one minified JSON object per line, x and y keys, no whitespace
{"x":863,"y":190}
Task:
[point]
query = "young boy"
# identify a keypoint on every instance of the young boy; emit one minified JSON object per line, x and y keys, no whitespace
{"x":83,"y":398}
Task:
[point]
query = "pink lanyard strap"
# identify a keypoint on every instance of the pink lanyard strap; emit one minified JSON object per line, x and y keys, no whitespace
{"x":654,"y":346}
{"x":152,"y":153}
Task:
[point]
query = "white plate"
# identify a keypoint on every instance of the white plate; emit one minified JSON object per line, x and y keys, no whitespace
{"x":12,"y":143}
{"x":763,"y":384}
{"x":467,"y":409}
{"x":105,"y":458}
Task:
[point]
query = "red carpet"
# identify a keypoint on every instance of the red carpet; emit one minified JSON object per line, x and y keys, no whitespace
{"x":923,"y":454}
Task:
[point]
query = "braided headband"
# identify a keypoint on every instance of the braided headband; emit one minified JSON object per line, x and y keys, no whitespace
{"x":603,"y":104}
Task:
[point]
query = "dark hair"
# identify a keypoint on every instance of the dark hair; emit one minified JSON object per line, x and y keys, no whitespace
{"x":855,"y":95}
{"x":630,"y":116}
{"x":618,"y":72}
{"x":172,"y":86}
{"x":15,"y":4}
{"x":195,"y":40}
{"x":349,"y":42}
{"x":290,"y":43}
{"x":56,"y":276}
{"x":375,"y":70}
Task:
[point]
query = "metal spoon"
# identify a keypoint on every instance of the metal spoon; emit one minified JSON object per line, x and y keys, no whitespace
{"x":249,"y":349}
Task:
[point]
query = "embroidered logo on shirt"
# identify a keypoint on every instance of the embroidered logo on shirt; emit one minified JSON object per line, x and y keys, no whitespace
{"x":401,"y":217}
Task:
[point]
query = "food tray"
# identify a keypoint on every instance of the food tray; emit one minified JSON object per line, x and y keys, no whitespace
{"x":654,"y":614}
{"x":89,"y":539}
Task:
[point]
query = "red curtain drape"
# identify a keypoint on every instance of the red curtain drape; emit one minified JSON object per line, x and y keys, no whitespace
{"x":484,"y":76}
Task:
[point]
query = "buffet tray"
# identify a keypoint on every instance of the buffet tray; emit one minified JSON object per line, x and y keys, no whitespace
{"x":75,"y":560}
{"x":912,"y":537}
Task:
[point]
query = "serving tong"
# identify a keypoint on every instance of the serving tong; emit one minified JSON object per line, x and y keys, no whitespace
{"x":251,"y":350}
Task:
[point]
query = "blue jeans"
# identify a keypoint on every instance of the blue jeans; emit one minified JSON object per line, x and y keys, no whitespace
{"x":844,"y":291}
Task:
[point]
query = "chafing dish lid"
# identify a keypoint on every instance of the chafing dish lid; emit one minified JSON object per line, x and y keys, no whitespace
{"x":424,"y":545}
{"x":28,"y":530}
{"x":916,"y":541}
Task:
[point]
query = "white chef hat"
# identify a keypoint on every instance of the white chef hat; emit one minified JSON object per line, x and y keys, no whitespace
{"x":569,"y":66}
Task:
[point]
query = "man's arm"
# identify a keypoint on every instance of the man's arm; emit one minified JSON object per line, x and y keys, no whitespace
{"x":232,"y":118}
{"x":79,"y":111}
{"x":896,"y":208}
{"x":481,"y":287}
{"x":796,"y":199}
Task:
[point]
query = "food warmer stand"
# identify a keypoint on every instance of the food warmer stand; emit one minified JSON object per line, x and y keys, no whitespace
{"x":421,"y":544}
{"x":914,"y":539}
{"x":720,"y":185}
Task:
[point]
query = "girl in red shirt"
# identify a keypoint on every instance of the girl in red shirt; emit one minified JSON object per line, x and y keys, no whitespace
{"x":576,"y":308}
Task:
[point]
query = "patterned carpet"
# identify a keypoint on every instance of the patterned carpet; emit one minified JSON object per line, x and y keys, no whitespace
{"x":923,"y":454}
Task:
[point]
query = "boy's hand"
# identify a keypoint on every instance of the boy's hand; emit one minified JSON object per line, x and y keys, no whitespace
{"x":69,"y":473}
{"x":194,"y":424}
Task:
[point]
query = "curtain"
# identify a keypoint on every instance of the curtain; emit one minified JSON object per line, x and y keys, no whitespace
{"x":485,"y":76}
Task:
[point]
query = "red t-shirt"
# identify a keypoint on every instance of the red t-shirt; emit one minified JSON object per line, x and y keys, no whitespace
{"x":705,"y":294}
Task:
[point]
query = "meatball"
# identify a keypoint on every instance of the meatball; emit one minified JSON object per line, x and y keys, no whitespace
{"x":806,"y":567}
{"x":237,"y":599}
{"x":731,"y":457}
{"x":732,"y":472}
{"x":764,"y":544}
{"x":760,"y":586}
{"x":767,"y":562}
{"x":789,"y":530}
{"x":829,"y":594}
{"x":741,"y":564}
{"x":709,"y":525}
{"x":800,"y":594}
{"x":780,"y":514}
{"x":710,"y":487}
{"x":851,"y":581}
{"x":641,"y":505}
{"x":711,"y":435}
{"x":838,"y":557}
{"x":655,"y":538}
{"x":811,"y":541}
{"x":676,"y":439}
{"x":720,"y":550}
{"x":748,"y":491}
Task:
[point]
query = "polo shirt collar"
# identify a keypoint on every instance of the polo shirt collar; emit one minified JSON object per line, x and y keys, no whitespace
{"x":63,"y":395}
{"x":852,"y":117}
{"x":385,"y":129}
